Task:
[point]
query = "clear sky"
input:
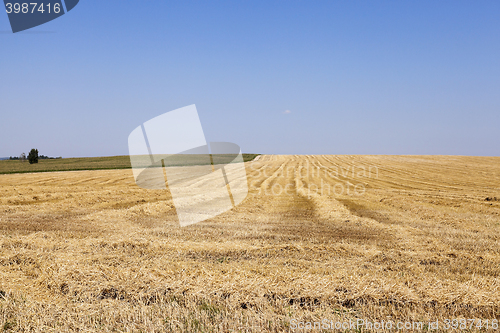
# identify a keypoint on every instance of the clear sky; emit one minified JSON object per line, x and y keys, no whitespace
{"x":275,"y":77}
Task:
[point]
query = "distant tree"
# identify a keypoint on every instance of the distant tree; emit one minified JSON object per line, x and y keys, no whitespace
{"x":33,"y":156}
{"x":43,"y":157}
{"x":23,"y":157}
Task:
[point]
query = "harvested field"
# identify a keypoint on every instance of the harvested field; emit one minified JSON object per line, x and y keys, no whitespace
{"x":402,"y":238}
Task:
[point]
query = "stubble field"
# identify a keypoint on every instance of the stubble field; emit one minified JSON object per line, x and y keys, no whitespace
{"x":401,"y":238}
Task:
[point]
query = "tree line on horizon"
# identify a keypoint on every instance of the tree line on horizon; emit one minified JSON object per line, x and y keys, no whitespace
{"x":33,"y":157}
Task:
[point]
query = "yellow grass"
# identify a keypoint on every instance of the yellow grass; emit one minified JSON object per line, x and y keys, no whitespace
{"x":416,"y":239}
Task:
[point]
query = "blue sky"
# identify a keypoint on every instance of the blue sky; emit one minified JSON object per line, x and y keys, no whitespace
{"x":358,"y":77}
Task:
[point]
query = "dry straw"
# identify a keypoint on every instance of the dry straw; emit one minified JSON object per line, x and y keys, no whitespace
{"x":90,"y":251}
